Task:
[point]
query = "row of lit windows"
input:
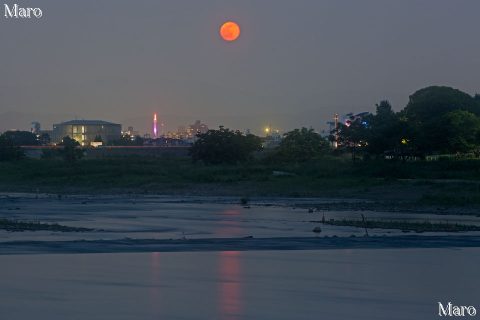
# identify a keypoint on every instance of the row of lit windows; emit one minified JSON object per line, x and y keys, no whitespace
{"x":79,"y":129}
{"x":79,"y":137}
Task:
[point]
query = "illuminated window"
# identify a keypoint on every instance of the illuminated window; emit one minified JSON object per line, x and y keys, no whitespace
{"x":78,"y":137}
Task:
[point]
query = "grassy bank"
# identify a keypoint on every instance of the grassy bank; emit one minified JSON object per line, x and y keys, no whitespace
{"x":444,"y":182}
{"x":19,"y":226}
{"x":405,"y":226}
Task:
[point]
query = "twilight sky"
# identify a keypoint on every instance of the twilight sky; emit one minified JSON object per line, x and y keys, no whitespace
{"x":295,"y":64}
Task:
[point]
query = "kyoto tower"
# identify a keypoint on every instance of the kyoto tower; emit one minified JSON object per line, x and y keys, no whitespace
{"x":155,"y":135}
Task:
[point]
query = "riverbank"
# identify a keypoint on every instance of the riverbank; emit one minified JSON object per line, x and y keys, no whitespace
{"x":237,"y":244}
{"x":454,"y":185}
{"x":152,"y":217}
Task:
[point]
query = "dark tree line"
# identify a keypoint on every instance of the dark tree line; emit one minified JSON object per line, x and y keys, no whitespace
{"x":300,"y":145}
{"x":11,"y":141}
{"x":9,"y":151}
{"x":224,"y":146}
{"x":436,"y":120}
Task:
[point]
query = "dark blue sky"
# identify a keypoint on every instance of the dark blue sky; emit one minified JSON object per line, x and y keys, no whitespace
{"x":295,"y":64}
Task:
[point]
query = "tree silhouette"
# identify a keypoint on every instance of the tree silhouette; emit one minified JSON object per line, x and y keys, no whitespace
{"x":301,"y":145}
{"x":9,"y":151}
{"x":224,"y":146}
{"x":71,"y":151}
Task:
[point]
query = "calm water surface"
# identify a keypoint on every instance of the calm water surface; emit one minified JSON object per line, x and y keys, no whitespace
{"x":338,"y":284}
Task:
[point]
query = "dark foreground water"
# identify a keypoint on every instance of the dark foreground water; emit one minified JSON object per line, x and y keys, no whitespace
{"x":334,"y":284}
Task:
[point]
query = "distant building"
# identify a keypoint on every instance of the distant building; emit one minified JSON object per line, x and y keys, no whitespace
{"x":349,"y":118}
{"x":272,"y":140}
{"x":182,"y":133}
{"x":45,"y":137}
{"x":85,"y":131}
{"x":131,"y":132}
{"x":196,"y":128}
{"x":189,"y":134}
{"x":168,"y":142}
{"x":35,"y":127}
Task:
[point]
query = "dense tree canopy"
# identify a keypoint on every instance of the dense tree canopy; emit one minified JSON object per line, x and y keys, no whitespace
{"x":437,"y":120}
{"x":461,"y":130}
{"x":433,"y":102}
{"x":383,"y":129}
{"x":9,"y":151}
{"x":354,"y":136}
{"x":224,"y":146}
{"x":22,"y":138}
{"x":426,"y":113}
{"x":301,"y":145}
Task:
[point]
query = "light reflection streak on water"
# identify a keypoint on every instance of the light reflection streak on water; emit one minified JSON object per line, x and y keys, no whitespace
{"x":230,"y":226}
{"x":230,"y":287}
{"x":155,"y":289}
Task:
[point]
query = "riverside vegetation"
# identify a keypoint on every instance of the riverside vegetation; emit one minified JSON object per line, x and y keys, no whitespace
{"x":405,"y":226}
{"x":444,"y":182}
{"x":18,"y":226}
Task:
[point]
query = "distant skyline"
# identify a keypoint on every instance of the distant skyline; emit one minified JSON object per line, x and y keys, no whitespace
{"x":295,"y":64}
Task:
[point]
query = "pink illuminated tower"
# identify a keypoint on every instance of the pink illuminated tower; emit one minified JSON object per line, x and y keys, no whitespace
{"x":155,"y":126}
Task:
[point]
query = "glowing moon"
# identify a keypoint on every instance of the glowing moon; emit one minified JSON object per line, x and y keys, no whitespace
{"x":230,"y":31}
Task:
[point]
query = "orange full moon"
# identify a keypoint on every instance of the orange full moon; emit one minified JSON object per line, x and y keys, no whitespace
{"x":230,"y":31}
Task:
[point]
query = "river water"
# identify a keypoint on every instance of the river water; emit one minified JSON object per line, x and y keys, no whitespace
{"x":337,"y":284}
{"x":225,"y":285}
